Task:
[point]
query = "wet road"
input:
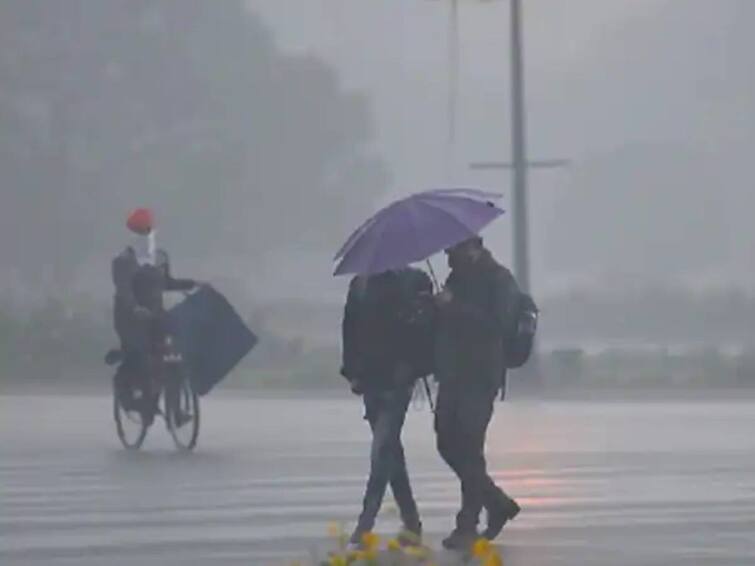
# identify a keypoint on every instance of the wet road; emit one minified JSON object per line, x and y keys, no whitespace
{"x":600,"y":484}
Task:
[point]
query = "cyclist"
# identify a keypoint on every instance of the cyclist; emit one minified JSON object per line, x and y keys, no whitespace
{"x":141,"y":274}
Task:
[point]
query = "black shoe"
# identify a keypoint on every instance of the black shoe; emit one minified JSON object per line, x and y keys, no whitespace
{"x":497,"y":518}
{"x":460,"y":540}
{"x":410,"y":535}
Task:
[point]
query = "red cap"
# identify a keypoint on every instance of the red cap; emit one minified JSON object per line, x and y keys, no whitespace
{"x":141,"y":221}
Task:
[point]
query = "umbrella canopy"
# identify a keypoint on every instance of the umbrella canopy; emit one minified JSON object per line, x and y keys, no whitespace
{"x":414,"y":228}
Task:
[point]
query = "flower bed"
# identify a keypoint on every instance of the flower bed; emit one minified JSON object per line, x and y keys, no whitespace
{"x":376,"y":552}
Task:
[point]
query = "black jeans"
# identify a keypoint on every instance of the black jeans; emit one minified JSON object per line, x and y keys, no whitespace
{"x":386,"y":411}
{"x":461,"y":421}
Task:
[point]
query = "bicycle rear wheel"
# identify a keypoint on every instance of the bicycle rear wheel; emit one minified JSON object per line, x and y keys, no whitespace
{"x":182,"y":413}
{"x":129,"y":423}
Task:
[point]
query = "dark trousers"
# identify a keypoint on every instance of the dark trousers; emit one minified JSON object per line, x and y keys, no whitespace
{"x":386,"y":411}
{"x":141,"y":345}
{"x":461,"y":422}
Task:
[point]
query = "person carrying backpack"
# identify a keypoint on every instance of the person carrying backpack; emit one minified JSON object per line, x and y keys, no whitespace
{"x":477,"y":320}
{"x":387,"y":346}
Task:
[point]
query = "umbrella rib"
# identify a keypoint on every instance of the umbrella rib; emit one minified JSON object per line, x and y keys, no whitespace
{"x":355,"y":236}
{"x":375,"y":247}
{"x":413,"y":214}
{"x":476,"y":194}
{"x":448,"y":214}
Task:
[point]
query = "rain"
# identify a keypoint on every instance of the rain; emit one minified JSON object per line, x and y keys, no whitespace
{"x":260,"y":135}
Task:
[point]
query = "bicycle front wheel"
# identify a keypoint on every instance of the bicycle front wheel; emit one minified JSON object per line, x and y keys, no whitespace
{"x":182,"y":413}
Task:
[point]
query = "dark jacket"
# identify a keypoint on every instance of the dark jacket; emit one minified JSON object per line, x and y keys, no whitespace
{"x":473,"y":326}
{"x":140,"y":286}
{"x":383,"y":328}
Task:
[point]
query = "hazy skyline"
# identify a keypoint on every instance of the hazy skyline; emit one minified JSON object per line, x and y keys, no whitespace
{"x":651,"y":100}
{"x":602,"y":77}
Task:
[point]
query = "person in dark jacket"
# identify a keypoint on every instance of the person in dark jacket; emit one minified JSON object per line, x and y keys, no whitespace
{"x":385,"y":348}
{"x":475,"y":312}
{"x":141,"y":274}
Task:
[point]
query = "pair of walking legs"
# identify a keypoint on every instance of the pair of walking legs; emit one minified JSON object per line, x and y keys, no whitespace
{"x":461,"y":422}
{"x":386,"y":411}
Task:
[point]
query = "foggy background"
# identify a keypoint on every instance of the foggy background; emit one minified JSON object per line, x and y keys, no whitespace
{"x":263,"y":132}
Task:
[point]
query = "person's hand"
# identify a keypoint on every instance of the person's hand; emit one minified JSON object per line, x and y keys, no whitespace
{"x":142,"y":313}
{"x":444,"y":297}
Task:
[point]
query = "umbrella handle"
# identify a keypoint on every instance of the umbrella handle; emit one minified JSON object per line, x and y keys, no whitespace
{"x":432,"y":275}
{"x":429,"y":394}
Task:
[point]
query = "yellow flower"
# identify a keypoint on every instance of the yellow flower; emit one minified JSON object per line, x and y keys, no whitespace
{"x":337,"y":560}
{"x":412,"y":539}
{"x":481,"y":548}
{"x":493,"y":559}
{"x":419,"y":552}
{"x":394,"y":545}
{"x":370,"y":541}
{"x":356,"y":556}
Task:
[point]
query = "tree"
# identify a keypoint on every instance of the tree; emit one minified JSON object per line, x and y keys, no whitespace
{"x":183,"y":105}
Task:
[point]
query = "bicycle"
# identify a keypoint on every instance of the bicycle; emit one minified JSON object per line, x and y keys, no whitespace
{"x":134,"y":409}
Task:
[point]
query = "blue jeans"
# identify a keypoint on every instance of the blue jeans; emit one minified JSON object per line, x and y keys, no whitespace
{"x":386,"y":411}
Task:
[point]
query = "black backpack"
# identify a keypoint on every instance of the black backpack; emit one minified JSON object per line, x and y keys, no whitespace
{"x":521,"y":338}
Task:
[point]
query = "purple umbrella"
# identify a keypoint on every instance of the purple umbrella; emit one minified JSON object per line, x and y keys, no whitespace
{"x":414,"y":228}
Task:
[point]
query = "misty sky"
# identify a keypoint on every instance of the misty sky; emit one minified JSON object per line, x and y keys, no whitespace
{"x":650,"y":100}
{"x":654,"y":94}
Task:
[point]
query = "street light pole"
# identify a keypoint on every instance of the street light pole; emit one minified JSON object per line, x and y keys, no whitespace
{"x":519,"y":164}
{"x":534,"y":379}
{"x":453,"y":70}
{"x":519,"y":151}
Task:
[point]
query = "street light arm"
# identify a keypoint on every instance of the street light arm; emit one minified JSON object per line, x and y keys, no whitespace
{"x":539,"y":164}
